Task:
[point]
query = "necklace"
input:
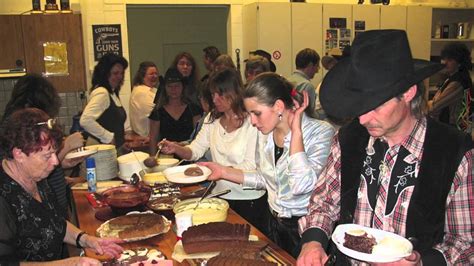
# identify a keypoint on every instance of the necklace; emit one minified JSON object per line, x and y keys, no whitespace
{"x":227,"y":124}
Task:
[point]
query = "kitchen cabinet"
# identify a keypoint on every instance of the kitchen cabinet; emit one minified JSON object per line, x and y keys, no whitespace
{"x":62,"y":28}
{"x":418,"y":31}
{"x":306,"y":32}
{"x":267,"y":26}
{"x":369,"y":14}
{"x":12,"y":51}
{"x":393,"y":17}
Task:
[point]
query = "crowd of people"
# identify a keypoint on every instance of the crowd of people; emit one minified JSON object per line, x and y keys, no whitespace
{"x":365,"y":147}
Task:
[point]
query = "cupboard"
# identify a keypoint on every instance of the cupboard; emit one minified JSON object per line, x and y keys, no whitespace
{"x":58,"y":34}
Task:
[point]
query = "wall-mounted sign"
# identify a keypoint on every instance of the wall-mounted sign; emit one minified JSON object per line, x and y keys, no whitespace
{"x":277,"y":55}
{"x":107,"y":39}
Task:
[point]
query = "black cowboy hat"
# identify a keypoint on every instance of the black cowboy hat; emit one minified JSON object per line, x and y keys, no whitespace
{"x":379,"y":68}
{"x":172,"y":75}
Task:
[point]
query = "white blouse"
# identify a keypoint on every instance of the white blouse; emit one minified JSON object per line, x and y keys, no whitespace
{"x":141,"y":105}
{"x":236,"y":149}
{"x":99,"y":101}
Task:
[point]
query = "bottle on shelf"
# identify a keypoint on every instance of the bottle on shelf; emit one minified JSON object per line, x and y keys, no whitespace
{"x":438,"y":27}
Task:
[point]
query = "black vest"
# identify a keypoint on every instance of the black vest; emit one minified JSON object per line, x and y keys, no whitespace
{"x":113,"y":119}
{"x":443,"y":147}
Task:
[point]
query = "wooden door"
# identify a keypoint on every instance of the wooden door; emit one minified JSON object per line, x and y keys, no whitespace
{"x":12,"y":51}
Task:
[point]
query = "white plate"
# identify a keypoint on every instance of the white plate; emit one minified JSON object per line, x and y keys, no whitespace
{"x":176,"y":174}
{"x":338,"y":239}
{"x":76,"y":154}
{"x":104,"y":230}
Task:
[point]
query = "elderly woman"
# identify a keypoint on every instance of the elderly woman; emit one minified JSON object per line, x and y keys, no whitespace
{"x":230,"y":137}
{"x":186,"y":65}
{"x":32,"y":228}
{"x":104,"y":116}
{"x":142,"y":98}
{"x":35,"y":91}
{"x":452,"y":102}
{"x":292,"y":149}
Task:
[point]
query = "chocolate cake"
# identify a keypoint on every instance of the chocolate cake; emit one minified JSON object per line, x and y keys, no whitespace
{"x":231,"y":261}
{"x":137,"y":225}
{"x":214,"y":236}
{"x":359,"y":240}
{"x":193,"y":171}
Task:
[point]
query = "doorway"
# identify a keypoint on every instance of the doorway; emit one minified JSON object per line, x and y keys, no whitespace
{"x":158,"y":32}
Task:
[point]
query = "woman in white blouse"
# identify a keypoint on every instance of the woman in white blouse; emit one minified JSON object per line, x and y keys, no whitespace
{"x":292,"y":148}
{"x":230,"y":137}
{"x":142,"y":97}
{"x":104,"y":116}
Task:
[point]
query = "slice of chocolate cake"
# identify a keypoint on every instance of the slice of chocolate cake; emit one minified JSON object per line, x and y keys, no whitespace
{"x":359,"y":240}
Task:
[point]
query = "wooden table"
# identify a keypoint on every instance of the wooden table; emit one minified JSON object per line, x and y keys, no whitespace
{"x":166,"y":242}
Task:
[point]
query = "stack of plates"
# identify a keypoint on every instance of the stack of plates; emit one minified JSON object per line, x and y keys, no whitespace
{"x":105,"y":161}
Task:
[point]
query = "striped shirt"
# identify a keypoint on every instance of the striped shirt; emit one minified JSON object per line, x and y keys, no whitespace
{"x":457,"y":247}
{"x":290,"y":182}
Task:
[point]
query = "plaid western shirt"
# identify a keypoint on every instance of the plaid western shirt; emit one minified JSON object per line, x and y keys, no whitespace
{"x":457,"y":246}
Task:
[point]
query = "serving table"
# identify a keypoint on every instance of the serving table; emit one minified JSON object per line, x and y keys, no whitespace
{"x":166,"y":242}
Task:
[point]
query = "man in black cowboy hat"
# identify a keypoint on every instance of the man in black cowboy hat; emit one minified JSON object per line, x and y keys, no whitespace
{"x":393,"y":168}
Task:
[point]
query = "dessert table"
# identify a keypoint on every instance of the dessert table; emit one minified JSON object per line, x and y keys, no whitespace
{"x":166,"y":242}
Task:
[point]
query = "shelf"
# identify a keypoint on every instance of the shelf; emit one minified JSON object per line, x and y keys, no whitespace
{"x":452,"y":40}
{"x":12,"y":75}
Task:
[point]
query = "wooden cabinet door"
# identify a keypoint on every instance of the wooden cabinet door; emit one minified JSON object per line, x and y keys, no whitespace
{"x":419,"y":31}
{"x":369,"y":14}
{"x":393,"y":17}
{"x":12,"y":52}
{"x":306,"y":32}
{"x":65,"y":28}
{"x":335,"y":12}
{"x":274,"y":34}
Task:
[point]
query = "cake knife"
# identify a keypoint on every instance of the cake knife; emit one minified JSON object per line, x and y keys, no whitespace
{"x":205,"y":194}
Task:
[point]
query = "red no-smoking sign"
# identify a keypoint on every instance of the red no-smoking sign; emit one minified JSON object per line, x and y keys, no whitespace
{"x":277,"y":55}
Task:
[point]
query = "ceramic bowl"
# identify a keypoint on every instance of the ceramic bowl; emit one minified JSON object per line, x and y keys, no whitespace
{"x":125,"y":198}
{"x":164,"y":163}
{"x":209,"y":210}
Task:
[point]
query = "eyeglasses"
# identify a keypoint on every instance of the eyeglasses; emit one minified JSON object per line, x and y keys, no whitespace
{"x":50,"y":123}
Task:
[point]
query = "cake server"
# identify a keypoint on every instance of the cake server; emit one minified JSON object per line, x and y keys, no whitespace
{"x":220,"y":193}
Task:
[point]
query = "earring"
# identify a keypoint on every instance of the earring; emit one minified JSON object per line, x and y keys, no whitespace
{"x":279,"y":115}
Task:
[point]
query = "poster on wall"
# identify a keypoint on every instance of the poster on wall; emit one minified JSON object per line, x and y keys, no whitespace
{"x":337,"y":23}
{"x":55,"y":59}
{"x":107,"y":39}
